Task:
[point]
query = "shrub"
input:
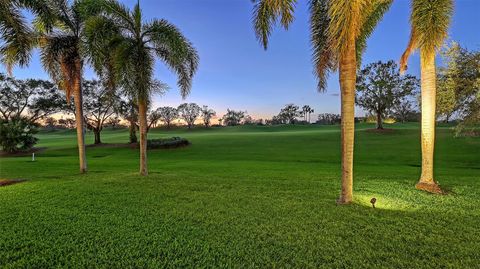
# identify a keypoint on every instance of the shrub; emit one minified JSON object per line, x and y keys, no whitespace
{"x":167,"y":143}
{"x":17,"y":134}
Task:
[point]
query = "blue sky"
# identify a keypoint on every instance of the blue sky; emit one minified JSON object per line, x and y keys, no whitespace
{"x":235,"y":72}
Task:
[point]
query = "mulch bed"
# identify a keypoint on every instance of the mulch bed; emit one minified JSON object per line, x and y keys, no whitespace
{"x":21,"y":153}
{"x":107,"y":145}
{"x":381,"y":131}
{"x":6,"y":182}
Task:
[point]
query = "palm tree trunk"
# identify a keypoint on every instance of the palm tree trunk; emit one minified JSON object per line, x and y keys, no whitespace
{"x":428,"y":87}
{"x":347,"y":72}
{"x":78,"y":99}
{"x":142,"y":116}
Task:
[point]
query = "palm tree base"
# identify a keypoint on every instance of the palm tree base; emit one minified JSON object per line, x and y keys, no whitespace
{"x":431,"y":187}
{"x":343,"y":201}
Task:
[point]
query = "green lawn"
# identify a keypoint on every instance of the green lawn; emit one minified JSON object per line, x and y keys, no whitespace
{"x":242,"y":197}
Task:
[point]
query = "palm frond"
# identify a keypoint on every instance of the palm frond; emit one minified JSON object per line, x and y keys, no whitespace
{"x":372,"y":15}
{"x":323,"y":57}
{"x":431,"y":20}
{"x":345,"y":23}
{"x":119,"y":13}
{"x":58,"y":55}
{"x":266,"y":13}
{"x":17,"y":38}
{"x":101,"y":36}
{"x":411,"y":47}
{"x":175,"y":50}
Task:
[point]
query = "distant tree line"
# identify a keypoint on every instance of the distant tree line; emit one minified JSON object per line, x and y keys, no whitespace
{"x":381,"y":91}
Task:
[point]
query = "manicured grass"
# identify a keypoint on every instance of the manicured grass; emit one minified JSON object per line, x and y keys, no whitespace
{"x":242,"y":197}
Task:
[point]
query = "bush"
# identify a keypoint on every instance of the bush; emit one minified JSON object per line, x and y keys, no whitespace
{"x":17,"y":134}
{"x":167,"y":143}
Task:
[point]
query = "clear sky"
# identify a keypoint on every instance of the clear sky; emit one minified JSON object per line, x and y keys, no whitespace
{"x":235,"y":72}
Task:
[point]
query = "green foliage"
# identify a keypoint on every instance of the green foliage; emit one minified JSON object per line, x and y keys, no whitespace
{"x":380,"y":87}
{"x":207,"y":114}
{"x":306,"y":111}
{"x":446,"y":99}
{"x":167,"y":114}
{"x":405,"y":111}
{"x":233,"y":117}
{"x":167,"y":143}
{"x":244,"y":196}
{"x":289,"y":114}
{"x":459,"y":86}
{"x":189,"y":112}
{"x":17,"y":134}
{"x":33,"y":99}
{"x":132,"y":46}
{"x":329,"y":118}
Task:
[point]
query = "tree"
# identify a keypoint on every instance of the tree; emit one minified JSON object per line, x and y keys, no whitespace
{"x":248,"y":120}
{"x":17,"y":134}
{"x":306,"y":111}
{"x":31,"y":99}
{"x":189,"y":112}
{"x":289,"y":113}
{"x":403,"y":110}
{"x":459,"y":85}
{"x":153,"y":118}
{"x":168,"y":115}
{"x":99,"y":105}
{"x":67,"y":123}
{"x":59,"y":32}
{"x":113,"y":121}
{"x":328,"y":118}
{"x":233,"y":118}
{"x":133,"y":47}
{"x":339,"y":30}
{"x":207,"y":114}
{"x":50,"y":123}
{"x":128,"y":109}
{"x":446,"y":99}
{"x":380,"y":86}
{"x":430,"y":21}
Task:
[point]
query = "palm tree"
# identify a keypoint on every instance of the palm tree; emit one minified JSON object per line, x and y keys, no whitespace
{"x":15,"y":32}
{"x":430,"y":21}
{"x":58,"y":34}
{"x":338,"y":30}
{"x":306,"y":111}
{"x":62,"y":57}
{"x":134,"y":46}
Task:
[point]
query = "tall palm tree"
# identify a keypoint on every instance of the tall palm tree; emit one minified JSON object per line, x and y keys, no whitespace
{"x":58,"y":34}
{"x":338,"y":31}
{"x":134,"y":46}
{"x":62,"y":56}
{"x":430,"y":20}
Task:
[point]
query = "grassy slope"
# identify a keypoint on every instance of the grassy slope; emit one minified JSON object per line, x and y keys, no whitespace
{"x":247,"y":196}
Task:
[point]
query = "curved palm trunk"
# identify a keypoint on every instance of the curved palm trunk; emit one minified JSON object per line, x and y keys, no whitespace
{"x":78,"y":99}
{"x":347,"y":69}
{"x":142,"y":116}
{"x":428,"y":87}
